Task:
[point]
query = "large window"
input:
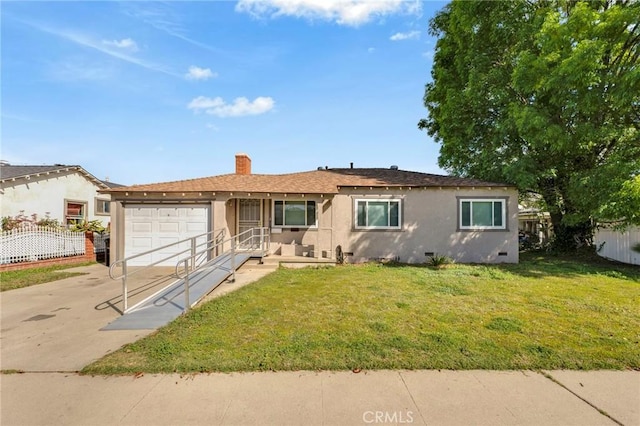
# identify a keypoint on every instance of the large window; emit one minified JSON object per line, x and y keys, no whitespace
{"x":294,"y":213}
{"x":377,"y":214}
{"x":103,"y":207}
{"x":75,"y":212}
{"x":483,"y":214}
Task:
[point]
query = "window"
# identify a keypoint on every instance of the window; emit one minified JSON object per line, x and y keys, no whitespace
{"x":294,"y":213}
{"x":75,"y":212}
{"x":103,"y":207}
{"x":483,"y":214}
{"x":377,"y":214}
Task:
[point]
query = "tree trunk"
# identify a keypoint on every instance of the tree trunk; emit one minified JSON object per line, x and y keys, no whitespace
{"x":571,"y":237}
{"x":565,"y":237}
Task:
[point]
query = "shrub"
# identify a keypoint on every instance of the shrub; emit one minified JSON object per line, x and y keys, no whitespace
{"x":439,"y":260}
{"x":23,"y":221}
{"x":91,"y":226}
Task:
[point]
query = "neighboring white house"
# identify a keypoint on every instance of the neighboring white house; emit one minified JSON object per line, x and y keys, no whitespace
{"x":66,"y":193}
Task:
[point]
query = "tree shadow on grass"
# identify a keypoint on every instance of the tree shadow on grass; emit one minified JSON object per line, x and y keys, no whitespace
{"x":539,"y":264}
{"x":542,"y":265}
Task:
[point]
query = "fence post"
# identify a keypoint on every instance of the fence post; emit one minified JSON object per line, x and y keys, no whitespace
{"x":89,"y":246}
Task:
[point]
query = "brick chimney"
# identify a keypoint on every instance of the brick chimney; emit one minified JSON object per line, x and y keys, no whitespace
{"x":243,"y":164}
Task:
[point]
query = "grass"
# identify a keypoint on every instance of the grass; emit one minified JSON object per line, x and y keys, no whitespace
{"x":11,"y":280}
{"x":544,"y":313}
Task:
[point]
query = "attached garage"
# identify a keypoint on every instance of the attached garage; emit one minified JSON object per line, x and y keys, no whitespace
{"x":150,"y":226}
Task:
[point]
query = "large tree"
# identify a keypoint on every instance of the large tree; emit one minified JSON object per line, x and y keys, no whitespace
{"x":544,"y":95}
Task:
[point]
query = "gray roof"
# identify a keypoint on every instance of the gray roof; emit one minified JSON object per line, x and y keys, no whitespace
{"x":8,"y":171}
{"x":112,"y":184}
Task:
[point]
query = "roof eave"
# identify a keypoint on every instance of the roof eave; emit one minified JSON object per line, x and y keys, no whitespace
{"x":78,"y":169}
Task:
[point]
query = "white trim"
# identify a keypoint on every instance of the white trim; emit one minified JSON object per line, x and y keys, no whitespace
{"x":377,"y":200}
{"x":284,"y":201}
{"x":472,"y":200}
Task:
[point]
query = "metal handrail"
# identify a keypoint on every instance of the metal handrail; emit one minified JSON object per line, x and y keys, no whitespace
{"x":199,"y":254}
{"x":217,"y":234}
{"x":265,"y":239}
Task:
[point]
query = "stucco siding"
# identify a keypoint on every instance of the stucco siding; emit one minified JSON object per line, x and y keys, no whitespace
{"x":47,"y":195}
{"x":429,"y":220}
{"x":311,"y":240}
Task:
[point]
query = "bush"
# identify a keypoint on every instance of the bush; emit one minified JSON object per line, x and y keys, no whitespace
{"x":91,"y":226}
{"x":439,"y":260}
{"x":23,"y":221}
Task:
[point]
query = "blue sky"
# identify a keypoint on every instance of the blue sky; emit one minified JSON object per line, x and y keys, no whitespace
{"x":142,"y":91}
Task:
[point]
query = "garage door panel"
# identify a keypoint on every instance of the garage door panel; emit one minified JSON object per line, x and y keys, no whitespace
{"x":142,"y":242}
{"x":163,"y":241}
{"x":167,"y":227}
{"x":199,"y":213}
{"x":199,"y":228}
{"x":173,"y":212}
{"x":141,"y":212}
{"x":153,"y":226}
{"x":141,"y":227}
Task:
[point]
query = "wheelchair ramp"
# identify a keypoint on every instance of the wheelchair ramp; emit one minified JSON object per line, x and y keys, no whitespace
{"x":169,"y":303}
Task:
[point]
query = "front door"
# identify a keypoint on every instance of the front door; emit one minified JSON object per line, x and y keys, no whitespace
{"x":249,"y":214}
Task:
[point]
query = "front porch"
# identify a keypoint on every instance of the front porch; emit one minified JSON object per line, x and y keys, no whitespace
{"x":299,"y":224}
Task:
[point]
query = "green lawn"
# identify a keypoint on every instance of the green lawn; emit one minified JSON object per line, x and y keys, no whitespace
{"x":11,"y":280}
{"x":544,"y":313}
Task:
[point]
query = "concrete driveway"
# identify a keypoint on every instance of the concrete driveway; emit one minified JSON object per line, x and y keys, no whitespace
{"x":55,"y":326}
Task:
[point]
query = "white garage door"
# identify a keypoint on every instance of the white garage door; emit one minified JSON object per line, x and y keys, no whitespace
{"x":152,"y":226}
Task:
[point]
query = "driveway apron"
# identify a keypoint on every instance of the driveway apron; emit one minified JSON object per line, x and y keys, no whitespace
{"x":55,"y":326}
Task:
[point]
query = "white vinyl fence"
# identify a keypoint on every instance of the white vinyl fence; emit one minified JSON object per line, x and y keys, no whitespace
{"x":37,"y":243}
{"x":619,"y":245}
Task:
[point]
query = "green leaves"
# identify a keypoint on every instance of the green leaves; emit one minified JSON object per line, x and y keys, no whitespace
{"x":545,"y":95}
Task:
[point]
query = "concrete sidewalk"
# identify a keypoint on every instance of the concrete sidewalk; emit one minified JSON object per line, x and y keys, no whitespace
{"x":324,"y":398}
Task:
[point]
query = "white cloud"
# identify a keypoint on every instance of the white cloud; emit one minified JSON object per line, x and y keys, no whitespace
{"x":371,"y":49}
{"x":240,"y":106}
{"x":343,"y":12}
{"x":163,"y":17}
{"x":90,"y":42}
{"x":411,"y":35}
{"x":125,"y":43}
{"x":197,"y":73}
